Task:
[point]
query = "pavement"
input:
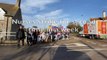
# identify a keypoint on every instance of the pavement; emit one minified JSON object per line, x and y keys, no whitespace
{"x":75,"y":48}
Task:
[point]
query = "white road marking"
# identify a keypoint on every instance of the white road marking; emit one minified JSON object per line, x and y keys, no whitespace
{"x":59,"y":46}
{"x":55,"y":46}
{"x":67,"y":45}
{"x":77,"y":44}
{"x":104,"y":45}
{"x":98,"y":49}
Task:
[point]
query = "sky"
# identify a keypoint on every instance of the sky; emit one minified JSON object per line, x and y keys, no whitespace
{"x":42,"y":13}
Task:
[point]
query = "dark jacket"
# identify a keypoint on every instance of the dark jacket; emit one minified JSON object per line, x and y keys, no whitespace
{"x":20,"y":34}
{"x":29,"y":35}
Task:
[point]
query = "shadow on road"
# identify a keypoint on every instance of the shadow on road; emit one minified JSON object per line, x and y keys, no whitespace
{"x":62,"y":53}
{"x":28,"y":53}
{"x":38,"y":53}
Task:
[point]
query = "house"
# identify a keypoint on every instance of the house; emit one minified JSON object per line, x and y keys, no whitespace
{"x":8,"y":13}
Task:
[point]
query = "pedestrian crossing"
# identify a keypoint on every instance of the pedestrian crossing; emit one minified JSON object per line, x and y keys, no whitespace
{"x":67,"y":45}
{"x":76,"y":47}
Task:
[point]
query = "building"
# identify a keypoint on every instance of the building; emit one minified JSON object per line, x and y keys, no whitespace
{"x":8,"y":13}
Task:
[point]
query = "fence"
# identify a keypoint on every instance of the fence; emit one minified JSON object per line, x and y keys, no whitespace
{"x":7,"y":36}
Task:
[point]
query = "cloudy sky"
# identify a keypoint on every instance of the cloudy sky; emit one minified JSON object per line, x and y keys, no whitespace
{"x":59,"y":12}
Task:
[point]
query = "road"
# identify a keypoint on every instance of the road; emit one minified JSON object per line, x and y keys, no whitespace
{"x":75,"y":48}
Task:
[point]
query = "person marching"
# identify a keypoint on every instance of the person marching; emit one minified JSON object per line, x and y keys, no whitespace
{"x":29,"y":37}
{"x":20,"y":35}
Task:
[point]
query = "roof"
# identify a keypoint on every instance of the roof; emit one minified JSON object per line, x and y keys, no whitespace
{"x":100,"y":18}
{"x":10,"y":9}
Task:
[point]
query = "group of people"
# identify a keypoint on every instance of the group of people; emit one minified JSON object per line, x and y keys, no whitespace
{"x":34,"y":36}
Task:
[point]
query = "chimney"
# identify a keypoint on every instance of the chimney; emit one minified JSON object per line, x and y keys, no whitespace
{"x":104,"y":14}
{"x":18,"y":3}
